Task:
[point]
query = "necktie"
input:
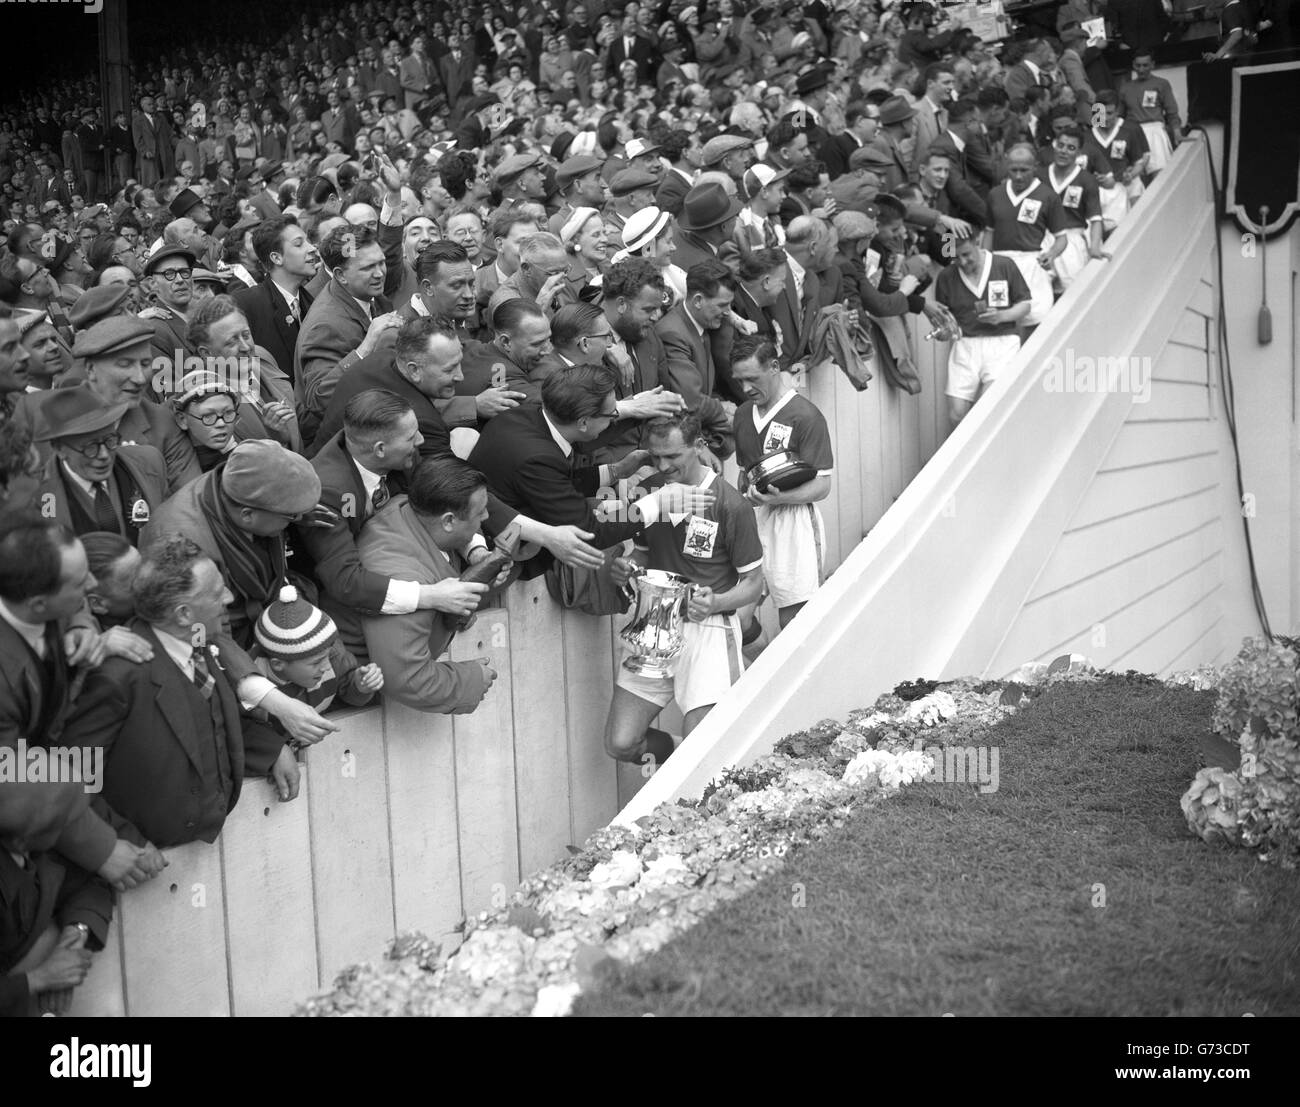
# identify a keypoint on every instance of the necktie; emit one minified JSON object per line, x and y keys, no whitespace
{"x":203,"y":679}
{"x":294,"y":308}
{"x":105,"y":516}
{"x":380,"y":495}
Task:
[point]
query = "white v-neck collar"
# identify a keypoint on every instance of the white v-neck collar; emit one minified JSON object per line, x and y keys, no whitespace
{"x":1051,"y":178}
{"x":1016,"y":197}
{"x":761,"y":421}
{"x":1106,"y":139}
{"x":984,"y":276}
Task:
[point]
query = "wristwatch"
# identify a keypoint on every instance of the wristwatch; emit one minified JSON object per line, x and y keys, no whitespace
{"x":85,"y":930}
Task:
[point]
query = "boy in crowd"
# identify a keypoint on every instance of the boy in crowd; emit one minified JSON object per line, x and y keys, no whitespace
{"x":298,"y":648}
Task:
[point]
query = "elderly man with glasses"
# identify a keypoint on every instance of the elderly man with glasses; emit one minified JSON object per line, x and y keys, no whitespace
{"x":169,"y":278}
{"x":119,"y":365}
{"x":93,"y":481}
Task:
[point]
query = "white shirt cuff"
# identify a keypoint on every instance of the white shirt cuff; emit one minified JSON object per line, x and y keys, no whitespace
{"x":389,"y":215}
{"x":402,"y":597}
{"x":647,"y":507}
{"x":253,"y":689}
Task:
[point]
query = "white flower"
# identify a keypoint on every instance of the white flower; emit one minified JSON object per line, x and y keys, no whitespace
{"x":879,"y":768}
{"x":622,"y":870}
{"x":932,"y":709}
{"x":667,"y":869}
{"x":554,"y":1001}
{"x":865,"y":769}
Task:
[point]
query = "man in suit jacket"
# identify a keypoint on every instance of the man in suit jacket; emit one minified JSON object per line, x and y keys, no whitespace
{"x":339,"y":120}
{"x":152,"y":137}
{"x":456,"y":70}
{"x":426,"y":538}
{"x":631,"y":45}
{"x":691,"y":369}
{"x":528,"y":456}
{"x":44,"y":580}
{"x":360,"y":469}
{"x":121,"y":149}
{"x":346,"y":322}
{"x":53,"y":915}
{"x":1031,"y":70}
{"x":416,"y":73}
{"x":861,"y":123}
{"x":175,"y":757}
{"x":897,"y":125}
{"x":967,"y":147}
{"x":423,"y":368}
{"x":276,"y":307}
{"x":47,"y":633}
{"x":92,"y":483}
{"x":932,"y":111}
{"x":810,"y":251}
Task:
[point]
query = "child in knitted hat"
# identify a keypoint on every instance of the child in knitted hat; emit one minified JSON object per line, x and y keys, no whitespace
{"x":297,"y":647}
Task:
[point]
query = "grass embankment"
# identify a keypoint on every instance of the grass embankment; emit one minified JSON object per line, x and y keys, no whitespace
{"x":945,"y":900}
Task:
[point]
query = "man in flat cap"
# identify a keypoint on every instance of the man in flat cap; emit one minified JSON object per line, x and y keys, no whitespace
{"x":101,"y":302}
{"x":732,"y":154}
{"x":237,"y":514}
{"x":169,"y":277}
{"x":93,"y":482}
{"x":631,"y":190}
{"x":119,"y":362}
{"x":521,"y":179}
{"x":581,"y":186}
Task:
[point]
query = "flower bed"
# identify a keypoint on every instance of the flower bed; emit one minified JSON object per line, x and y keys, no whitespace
{"x":1256,"y":804}
{"x":629,"y":890}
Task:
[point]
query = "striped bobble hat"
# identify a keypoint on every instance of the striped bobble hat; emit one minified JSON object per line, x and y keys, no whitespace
{"x":290,"y":628}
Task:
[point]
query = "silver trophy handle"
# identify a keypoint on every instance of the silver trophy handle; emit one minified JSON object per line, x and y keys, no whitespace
{"x":627,"y":589}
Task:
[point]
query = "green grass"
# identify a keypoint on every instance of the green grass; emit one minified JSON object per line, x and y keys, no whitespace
{"x":944,"y":900}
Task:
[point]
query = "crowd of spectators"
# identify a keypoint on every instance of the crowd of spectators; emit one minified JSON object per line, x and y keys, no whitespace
{"x":286,"y":344}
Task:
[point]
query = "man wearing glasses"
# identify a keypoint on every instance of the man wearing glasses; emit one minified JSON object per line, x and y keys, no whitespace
{"x":861,"y":122}
{"x":168,"y":276}
{"x":119,"y":365}
{"x":93,"y":482}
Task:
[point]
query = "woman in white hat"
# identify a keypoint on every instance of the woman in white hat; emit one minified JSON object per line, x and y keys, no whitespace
{"x":586,"y":241}
{"x":648,"y":234}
